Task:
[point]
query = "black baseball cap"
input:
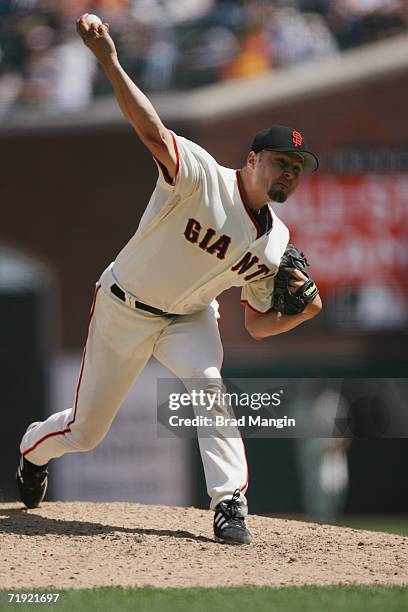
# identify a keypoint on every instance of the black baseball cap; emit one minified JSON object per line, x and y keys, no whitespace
{"x":285,"y":139}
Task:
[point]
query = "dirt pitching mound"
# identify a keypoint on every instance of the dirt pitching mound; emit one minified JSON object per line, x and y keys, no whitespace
{"x":79,"y":545}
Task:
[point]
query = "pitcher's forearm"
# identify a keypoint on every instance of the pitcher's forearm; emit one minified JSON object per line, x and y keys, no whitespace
{"x":275,"y":323}
{"x":134,"y":104}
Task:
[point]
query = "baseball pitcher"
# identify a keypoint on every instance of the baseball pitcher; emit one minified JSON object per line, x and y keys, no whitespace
{"x":205,"y":228}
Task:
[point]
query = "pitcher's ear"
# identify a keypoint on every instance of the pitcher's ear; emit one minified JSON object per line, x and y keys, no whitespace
{"x":251,"y":159}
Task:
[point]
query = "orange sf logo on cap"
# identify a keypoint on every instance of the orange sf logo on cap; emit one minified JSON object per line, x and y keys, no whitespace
{"x":297,"y":138}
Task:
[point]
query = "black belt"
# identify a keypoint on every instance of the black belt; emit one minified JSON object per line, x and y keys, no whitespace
{"x":116,"y":290}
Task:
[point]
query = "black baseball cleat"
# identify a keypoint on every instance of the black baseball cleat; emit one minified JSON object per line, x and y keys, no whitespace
{"x":32,"y":481}
{"x":229,"y":521}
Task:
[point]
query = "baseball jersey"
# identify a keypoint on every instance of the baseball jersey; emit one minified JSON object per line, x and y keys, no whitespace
{"x":198,"y":237}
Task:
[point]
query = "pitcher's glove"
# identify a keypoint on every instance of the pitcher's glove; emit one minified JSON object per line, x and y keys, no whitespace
{"x":284,"y":298}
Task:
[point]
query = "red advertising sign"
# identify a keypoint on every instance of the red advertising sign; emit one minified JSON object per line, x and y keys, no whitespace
{"x":353,"y":228}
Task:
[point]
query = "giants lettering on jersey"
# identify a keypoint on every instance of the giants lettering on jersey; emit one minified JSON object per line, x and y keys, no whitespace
{"x":220,"y":246}
{"x":247,"y":262}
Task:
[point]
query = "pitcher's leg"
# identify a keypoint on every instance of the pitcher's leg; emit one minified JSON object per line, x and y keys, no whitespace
{"x":221,"y":447}
{"x":109,"y":368}
{"x":191,"y":348}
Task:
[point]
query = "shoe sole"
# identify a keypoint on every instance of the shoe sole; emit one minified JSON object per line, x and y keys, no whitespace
{"x":221,"y":541}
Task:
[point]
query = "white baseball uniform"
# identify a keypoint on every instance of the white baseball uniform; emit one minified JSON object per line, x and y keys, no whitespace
{"x":196,"y":238}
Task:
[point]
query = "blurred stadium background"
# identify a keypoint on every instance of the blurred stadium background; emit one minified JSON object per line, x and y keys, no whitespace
{"x":74,"y":183}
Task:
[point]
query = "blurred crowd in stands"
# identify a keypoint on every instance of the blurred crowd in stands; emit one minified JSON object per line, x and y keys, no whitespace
{"x":174,"y":44}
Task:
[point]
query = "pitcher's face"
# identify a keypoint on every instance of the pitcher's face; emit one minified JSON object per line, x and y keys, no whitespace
{"x":277,"y":174}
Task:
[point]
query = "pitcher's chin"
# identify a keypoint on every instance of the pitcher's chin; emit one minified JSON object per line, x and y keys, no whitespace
{"x":277,"y":195}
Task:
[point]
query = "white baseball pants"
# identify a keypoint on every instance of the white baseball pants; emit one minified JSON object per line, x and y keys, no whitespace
{"x":120,"y":342}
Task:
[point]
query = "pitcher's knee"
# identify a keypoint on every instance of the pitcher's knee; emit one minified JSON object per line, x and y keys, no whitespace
{"x":205,"y":385}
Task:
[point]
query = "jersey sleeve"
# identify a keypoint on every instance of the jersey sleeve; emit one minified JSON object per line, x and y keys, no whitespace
{"x":189,"y":168}
{"x":258,"y":295}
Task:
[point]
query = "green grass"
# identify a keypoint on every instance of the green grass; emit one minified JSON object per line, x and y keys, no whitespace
{"x":389,"y":524}
{"x":290,"y":599}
